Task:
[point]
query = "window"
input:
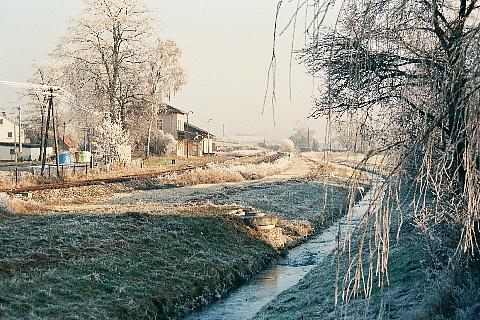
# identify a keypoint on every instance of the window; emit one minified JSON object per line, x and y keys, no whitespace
{"x":1,"y":121}
{"x":12,"y":151}
{"x":10,"y":134}
{"x":160,"y":124}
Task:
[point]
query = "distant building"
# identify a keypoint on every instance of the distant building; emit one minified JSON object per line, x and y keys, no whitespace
{"x":9,"y":130}
{"x":200,"y":142}
{"x":30,"y":152}
{"x":12,"y":142}
{"x":191,"y":140}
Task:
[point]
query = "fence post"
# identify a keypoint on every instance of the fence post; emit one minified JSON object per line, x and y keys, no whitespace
{"x":16,"y":175}
{"x":86,"y":169}
{"x":74,"y":169}
{"x":49,"y":171}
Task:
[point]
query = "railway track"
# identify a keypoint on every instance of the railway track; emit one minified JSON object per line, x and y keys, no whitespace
{"x":126,"y":178}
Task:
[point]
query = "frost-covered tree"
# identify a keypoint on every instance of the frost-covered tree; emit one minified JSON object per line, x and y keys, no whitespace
{"x":163,"y":76}
{"x":107,"y":43}
{"x":109,"y":136}
{"x":168,"y":144}
{"x":113,"y":61}
{"x":287,"y":145}
{"x":303,"y":138}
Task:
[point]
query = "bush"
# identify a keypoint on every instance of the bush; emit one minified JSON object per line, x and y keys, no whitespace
{"x":4,"y":203}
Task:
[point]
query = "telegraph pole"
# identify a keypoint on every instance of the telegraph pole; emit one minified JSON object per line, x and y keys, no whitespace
{"x":20,"y":129}
{"x":15,"y":142}
{"x":55,"y":138}
{"x":47,"y":126}
{"x":64,"y":129}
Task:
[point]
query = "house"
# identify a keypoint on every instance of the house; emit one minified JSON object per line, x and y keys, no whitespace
{"x":200,"y":142}
{"x":191,"y":140}
{"x":9,"y":130}
{"x":67,"y":143}
{"x":29,"y":152}
{"x":12,"y":142}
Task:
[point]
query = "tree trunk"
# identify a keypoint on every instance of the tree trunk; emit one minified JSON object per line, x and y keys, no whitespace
{"x":149,"y":136}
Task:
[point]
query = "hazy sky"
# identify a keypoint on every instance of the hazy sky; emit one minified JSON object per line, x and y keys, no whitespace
{"x":226,"y":52}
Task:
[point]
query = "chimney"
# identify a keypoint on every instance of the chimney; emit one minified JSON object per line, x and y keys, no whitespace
{"x":4,"y":113}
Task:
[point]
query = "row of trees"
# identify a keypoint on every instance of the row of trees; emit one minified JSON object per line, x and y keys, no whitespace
{"x":116,"y":67}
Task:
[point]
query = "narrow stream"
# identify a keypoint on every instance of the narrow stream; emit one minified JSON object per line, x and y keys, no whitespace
{"x":247,"y":300}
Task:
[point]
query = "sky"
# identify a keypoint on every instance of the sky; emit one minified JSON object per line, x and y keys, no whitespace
{"x":226,"y":45}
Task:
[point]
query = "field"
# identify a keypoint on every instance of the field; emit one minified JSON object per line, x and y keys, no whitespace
{"x":120,"y":267}
{"x":140,"y":250}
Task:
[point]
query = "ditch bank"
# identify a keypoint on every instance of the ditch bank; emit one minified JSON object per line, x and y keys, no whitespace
{"x":246,"y":301}
{"x":126,"y":266}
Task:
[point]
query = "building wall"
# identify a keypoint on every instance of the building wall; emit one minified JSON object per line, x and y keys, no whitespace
{"x":181,"y":148}
{"x":6,"y":127}
{"x":5,"y":154}
{"x":207,"y":145}
{"x":28,"y":153}
{"x":172,"y":123}
{"x":195,"y":148}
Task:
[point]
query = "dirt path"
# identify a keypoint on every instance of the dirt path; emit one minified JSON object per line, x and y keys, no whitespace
{"x":299,"y":168}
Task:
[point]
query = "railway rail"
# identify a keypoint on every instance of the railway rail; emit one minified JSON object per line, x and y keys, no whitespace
{"x":126,"y":178}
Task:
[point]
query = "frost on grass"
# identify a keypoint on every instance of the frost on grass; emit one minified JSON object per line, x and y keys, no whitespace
{"x":229,"y":173}
{"x":409,"y":296}
{"x":133,"y":266}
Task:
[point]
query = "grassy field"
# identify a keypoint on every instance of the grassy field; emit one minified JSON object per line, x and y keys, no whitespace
{"x":139,"y":265}
{"x":132,"y":266}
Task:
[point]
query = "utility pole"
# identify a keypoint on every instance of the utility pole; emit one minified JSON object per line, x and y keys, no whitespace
{"x":208,"y":135}
{"x":55,"y":138}
{"x":47,"y":125}
{"x":187,"y":132}
{"x":20,"y":129}
{"x":64,"y":129}
{"x":15,"y":142}
{"x":42,"y":128}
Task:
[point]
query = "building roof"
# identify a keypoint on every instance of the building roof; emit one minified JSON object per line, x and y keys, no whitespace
{"x":4,"y":116}
{"x":168,"y":109}
{"x":196,"y":130}
{"x":67,"y":141}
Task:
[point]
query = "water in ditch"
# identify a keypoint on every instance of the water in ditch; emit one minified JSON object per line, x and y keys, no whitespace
{"x":247,"y":300}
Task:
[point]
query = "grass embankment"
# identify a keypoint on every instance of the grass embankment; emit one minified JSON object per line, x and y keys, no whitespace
{"x":314,"y":296}
{"x":132,"y":266}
